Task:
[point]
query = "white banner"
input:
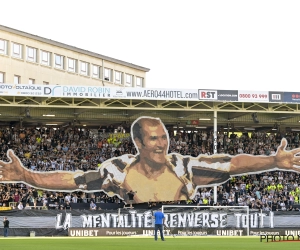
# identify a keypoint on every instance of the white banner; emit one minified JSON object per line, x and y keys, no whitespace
{"x":98,"y":92}
{"x":131,"y":93}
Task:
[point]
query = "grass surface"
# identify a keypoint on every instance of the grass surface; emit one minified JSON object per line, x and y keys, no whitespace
{"x":132,"y":243}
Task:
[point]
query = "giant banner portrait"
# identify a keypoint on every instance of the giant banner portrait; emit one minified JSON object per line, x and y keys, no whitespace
{"x":151,"y":174}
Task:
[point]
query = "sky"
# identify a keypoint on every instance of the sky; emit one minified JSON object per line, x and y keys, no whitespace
{"x":191,"y":44}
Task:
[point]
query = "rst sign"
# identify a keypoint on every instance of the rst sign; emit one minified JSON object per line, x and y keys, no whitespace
{"x":208,"y":94}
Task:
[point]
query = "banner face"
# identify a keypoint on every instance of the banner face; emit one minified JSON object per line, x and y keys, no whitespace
{"x":151,"y":174}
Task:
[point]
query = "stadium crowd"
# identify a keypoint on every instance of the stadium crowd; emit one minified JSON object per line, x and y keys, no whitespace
{"x":71,"y":148}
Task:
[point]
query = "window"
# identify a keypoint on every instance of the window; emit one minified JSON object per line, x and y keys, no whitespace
{"x":84,"y":68}
{"x":45,"y":83}
{"x":45,"y":58}
{"x":128,"y":80}
{"x":31,"y":81}
{"x":1,"y":77}
{"x":139,"y":81}
{"x":17,"y":79}
{"x":31,"y":54}
{"x":118,"y":77}
{"x":107,"y":74}
{"x":96,"y":71}
{"x":71,"y":65}
{"x":3,"y":47}
{"x":16,"y":50}
{"x":59,"y":61}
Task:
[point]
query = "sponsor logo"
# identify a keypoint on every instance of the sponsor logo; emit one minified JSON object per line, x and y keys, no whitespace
{"x":229,"y":232}
{"x":119,"y":92}
{"x":296,"y":96}
{"x":291,"y":97}
{"x":208,"y":94}
{"x":3,"y":86}
{"x":276,"y":97}
{"x":227,"y":95}
{"x":52,"y":91}
{"x":29,"y":87}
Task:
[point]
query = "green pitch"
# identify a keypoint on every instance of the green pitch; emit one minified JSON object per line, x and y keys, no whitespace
{"x":132,"y":243}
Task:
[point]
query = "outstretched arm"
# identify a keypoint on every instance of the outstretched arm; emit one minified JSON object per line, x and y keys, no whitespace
{"x":108,"y":178}
{"x":216,"y":169}
{"x":14,"y":171}
{"x":283,"y":160}
{"x":242,"y":164}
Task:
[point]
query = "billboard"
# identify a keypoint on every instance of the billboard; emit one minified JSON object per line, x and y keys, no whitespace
{"x":253,"y":96}
{"x":291,"y":97}
{"x":228,"y":95}
{"x":182,"y":222}
{"x":131,"y":93}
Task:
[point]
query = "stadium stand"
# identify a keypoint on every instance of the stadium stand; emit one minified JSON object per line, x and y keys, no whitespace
{"x":71,"y":148}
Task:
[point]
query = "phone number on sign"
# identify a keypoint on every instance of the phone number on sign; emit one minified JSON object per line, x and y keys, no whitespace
{"x":30,"y":93}
{"x":261,"y":96}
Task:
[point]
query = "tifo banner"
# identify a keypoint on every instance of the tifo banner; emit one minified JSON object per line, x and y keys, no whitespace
{"x":227,"y":222}
{"x":151,"y":174}
{"x":102,"y":92}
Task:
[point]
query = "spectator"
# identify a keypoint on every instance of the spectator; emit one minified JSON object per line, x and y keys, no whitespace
{"x":27,"y":206}
{"x":20,"y":206}
{"x":67,"y":198}
{"x":67,"y":206}
{"x":93,"y":206}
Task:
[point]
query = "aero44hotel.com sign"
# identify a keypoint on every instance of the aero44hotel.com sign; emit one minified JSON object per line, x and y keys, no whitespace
{"x":147,"y":93}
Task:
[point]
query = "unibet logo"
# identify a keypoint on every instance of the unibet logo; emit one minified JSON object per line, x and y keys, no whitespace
{"x":208,"y":94}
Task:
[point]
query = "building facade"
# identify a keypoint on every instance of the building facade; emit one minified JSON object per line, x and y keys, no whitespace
{"x":30,"y":59}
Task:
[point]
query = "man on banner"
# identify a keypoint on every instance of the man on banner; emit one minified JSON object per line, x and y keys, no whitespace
{"x":152,"y":173}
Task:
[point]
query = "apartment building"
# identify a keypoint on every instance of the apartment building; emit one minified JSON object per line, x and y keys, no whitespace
{"x":30,"y":59}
